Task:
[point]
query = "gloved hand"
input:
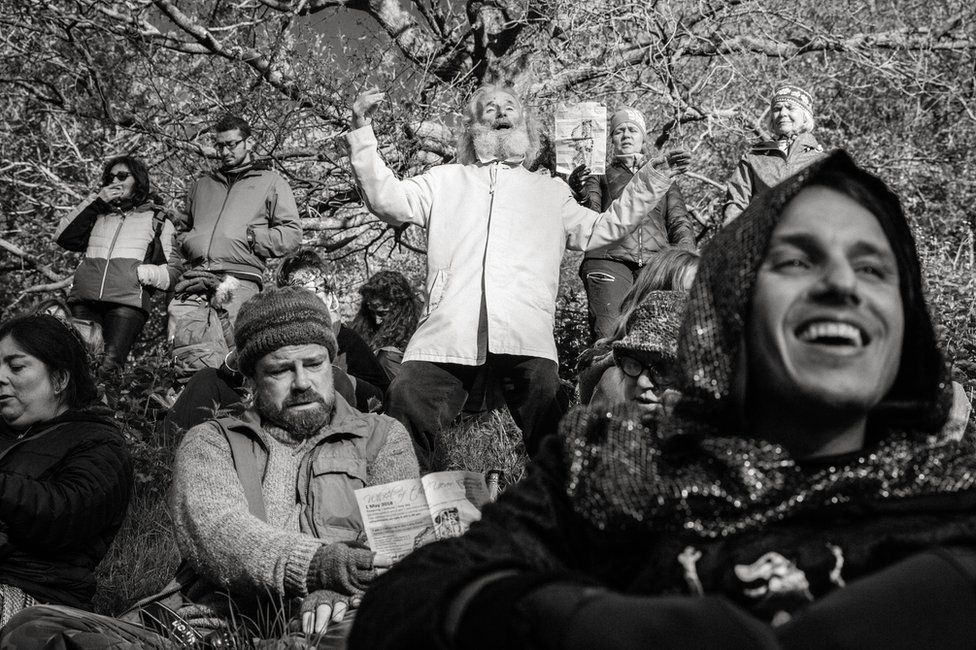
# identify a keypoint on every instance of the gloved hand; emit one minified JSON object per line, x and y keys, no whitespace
{"x":344,"y":567}
{"x":324,"y":606}
{"x":197,"y":281}
{"x":575,"y":180}
{"x":673,"y":163}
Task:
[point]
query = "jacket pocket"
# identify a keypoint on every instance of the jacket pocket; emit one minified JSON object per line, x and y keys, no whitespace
{"x":331,"y":496}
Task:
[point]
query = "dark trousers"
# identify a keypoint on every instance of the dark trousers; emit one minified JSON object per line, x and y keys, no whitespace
{"x":606,"y":283}
{"x":426,"y":397}
{"x":121,"y":326}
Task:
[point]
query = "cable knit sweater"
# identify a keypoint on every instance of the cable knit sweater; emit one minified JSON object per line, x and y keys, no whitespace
{"x":236,"y":552}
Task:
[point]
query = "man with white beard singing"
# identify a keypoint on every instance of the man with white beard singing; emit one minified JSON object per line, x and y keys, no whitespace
{"x":496,"y":233}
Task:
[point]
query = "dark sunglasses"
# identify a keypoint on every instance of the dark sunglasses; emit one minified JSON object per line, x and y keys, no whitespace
{"x":119,"y":176}
{"x":634,"y":367}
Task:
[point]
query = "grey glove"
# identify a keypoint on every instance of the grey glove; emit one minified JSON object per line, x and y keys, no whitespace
{"x":341,"y":567}
{"x":324,"y":606}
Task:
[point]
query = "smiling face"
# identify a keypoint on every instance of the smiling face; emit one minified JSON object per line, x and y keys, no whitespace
{"x":293,"y":388}
{"x":826,"y":326}
{"x":787,"y":118}
{"x":29,"y":391}
{"x":627,"y":139}
{"x":500,"y":111}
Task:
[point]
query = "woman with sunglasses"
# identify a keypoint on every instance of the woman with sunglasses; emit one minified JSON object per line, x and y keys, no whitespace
{"x":128,"y":247}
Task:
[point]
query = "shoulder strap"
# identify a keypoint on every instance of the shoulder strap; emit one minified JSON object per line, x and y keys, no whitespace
{"x":159,"y":218}
{"x":242,"y":449}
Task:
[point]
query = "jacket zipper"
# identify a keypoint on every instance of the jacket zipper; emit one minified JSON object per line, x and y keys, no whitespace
{"x":309,"y":510}
{"x":111,"y":249}
{"x":493,"y":178}
{"x":219,"y":216}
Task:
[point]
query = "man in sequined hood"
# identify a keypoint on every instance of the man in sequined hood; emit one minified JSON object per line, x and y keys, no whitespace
{"x":796,"y":498}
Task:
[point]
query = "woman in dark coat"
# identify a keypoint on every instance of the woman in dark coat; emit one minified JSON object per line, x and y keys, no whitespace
{"x":796,"y":498}
{"x":387,"y":317}
{"x":65,"y":473}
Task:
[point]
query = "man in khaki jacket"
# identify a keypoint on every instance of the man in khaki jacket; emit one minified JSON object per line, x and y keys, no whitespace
{"x":496,"y":233}
{"x":263,"y":504}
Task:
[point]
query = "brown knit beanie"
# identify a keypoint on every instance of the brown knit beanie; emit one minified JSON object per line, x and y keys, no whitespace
{"x":278,"y":317}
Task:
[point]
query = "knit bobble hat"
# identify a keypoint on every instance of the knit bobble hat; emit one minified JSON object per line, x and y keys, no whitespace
{"x":794,"y":94}
{"x":653,"y":327}
{"x":278,"y":317}
{"x":628,"y":115}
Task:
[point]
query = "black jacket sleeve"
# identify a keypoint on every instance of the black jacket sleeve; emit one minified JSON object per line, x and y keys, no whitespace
{"x":677,"y":219}
{"x":75,"y":229}
{"x":927,"y":600}
{"x":84,"y":495}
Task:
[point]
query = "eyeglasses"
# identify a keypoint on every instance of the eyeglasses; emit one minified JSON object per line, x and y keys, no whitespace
{"x":228,"y":146}
{"x":117,"y":176}
{"x":634,"y":367}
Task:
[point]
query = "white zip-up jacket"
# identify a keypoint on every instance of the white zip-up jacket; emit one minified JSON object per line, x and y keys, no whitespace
{"x":496,"y":234}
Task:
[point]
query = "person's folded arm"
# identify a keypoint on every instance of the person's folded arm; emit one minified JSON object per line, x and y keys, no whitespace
{"x":927,"y":600}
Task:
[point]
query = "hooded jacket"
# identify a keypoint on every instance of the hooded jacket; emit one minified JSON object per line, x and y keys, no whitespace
{"x":64,"y":490}
{"x":116,"y":243}
{"x":764,"y":165}
{"x":696,"y":534}
{"x":223,"y":207}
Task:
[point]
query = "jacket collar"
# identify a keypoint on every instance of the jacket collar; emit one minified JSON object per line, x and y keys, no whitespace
{"x":806,"y":140}
{"x":345,"y":419}
{"x":510,"y":161}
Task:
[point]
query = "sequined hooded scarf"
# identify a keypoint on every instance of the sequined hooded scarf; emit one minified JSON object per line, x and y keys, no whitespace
{"x":698,"y":470}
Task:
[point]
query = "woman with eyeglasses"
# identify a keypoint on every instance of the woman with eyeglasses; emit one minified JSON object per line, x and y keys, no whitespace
{"x":640,"y":368}
{"x":128,"y":245}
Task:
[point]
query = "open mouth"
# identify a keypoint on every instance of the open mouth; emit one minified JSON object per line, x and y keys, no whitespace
{"x":833,"y":333}
{"x":501,"y":125}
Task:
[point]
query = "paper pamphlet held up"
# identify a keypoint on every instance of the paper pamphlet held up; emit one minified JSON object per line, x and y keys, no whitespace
{"x":404,"y":515}
{"x":581,"y":137}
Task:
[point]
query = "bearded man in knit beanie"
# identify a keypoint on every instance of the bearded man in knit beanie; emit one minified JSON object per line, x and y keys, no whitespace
{"x":263,"y":504}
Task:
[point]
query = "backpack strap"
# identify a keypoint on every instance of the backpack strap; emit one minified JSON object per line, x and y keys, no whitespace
{"x":159,"y":218}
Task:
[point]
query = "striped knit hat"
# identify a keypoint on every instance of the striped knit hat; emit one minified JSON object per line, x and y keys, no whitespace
{"x":278,"y":317}
{"x":794,"y":94}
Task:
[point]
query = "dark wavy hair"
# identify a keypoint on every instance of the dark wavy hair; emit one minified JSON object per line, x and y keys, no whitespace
{"x":142,"y":190}
{"x":60,"y":348}
{"x":229,"y":122}
{"x":400,"y":323}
